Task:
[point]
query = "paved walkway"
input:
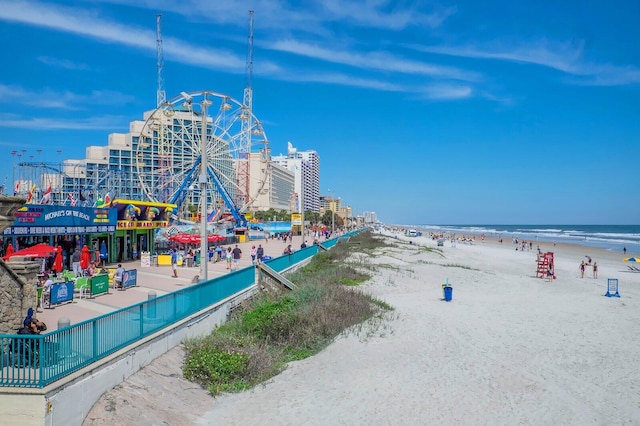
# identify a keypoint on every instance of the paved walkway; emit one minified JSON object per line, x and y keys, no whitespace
{"x":154,"y":278}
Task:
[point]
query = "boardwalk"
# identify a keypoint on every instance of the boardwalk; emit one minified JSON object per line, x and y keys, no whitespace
{"x":155,"y":278}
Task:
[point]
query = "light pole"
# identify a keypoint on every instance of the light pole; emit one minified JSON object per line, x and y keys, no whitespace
{"x":204,"y":250}
{"x":333,"y":213}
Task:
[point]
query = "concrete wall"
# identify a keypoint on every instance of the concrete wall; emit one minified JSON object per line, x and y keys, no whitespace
{"x":69,"y":400}
{"x":17,"y":292}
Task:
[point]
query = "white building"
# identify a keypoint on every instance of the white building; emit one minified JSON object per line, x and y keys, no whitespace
{"x":306,"y":168}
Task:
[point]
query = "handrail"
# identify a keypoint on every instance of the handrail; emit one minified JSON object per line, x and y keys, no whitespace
{"x":35,"y":361}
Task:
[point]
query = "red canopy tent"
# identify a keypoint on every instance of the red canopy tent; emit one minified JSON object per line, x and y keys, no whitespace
{"x":39,"y":250}
{"x":183,"y":238}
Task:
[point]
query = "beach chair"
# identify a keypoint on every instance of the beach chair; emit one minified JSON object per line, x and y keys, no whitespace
{"x":83,"y":286}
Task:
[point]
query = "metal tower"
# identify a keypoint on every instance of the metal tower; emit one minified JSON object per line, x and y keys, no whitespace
{"x":247,"y":113}
{"x":161,"y":96}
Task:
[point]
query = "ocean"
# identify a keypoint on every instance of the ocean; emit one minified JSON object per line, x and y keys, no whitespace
{"x":608,"y":237}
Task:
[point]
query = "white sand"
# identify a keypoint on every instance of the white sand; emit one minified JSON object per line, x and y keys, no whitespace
{"x":509,"y":349}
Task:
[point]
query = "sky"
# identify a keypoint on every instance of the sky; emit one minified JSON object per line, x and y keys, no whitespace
{"x":425,"y":112}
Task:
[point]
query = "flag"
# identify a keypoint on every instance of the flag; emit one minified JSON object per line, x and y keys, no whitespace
{"x":47,"y":196}
{"x":31,"y":192}
{"x":73,"y":200}
{"x":16,"y":189}
{"x":107,"y":199}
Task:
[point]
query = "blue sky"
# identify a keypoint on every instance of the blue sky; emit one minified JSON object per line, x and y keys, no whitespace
{"x":426,"y":112}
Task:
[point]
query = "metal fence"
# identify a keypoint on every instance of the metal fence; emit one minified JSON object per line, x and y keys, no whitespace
{"x":38,"y":360}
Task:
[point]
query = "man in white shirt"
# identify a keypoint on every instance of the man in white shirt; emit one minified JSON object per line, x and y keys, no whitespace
{"x":46,"y":290}
{"x":117,"y":280}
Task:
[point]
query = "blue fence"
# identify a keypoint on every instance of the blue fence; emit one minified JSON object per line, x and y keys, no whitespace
{"x":38,"y":360}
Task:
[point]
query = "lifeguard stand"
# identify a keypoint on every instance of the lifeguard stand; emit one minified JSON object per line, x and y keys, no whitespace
{"x":544,"y":261}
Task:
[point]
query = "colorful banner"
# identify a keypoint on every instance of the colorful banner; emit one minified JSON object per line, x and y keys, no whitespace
{"x":38,"y":219}
{"x":61,"y":292}
{"x":130,"y":278}
{"x":99,"y":284}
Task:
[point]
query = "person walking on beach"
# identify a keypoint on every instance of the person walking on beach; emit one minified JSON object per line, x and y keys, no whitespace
{"x":237,"y":254}
{"x":582,"y":266}
{"x":174,"y":263}
{"x":595,"y":270}
{"x":549,"y":273}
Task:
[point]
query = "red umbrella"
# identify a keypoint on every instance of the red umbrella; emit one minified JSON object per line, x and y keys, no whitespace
{"x":39,"y":250}
{"x":85,"y":257}
{"x":57,"y":262}
{"x":183,"y":238}
{"x":214,"y":238}
{"x":9,"y":252}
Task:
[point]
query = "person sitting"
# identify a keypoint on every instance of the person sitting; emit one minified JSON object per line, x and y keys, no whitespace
{"x":288,"y":250}
{"x":92,"y":269}
{"x":117,"y":279}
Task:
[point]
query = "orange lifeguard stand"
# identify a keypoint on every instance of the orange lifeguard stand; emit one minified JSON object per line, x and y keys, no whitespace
{"x":543,"y":263}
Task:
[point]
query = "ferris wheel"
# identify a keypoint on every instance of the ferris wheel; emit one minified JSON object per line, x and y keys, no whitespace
{"x":169,"y":152}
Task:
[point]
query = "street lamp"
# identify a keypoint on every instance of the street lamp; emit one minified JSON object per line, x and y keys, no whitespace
{"x":333,"y":213}
{"x":204,"y":249}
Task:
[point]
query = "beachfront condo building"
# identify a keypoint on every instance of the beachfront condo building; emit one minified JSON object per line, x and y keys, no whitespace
{"x":305,"y":165}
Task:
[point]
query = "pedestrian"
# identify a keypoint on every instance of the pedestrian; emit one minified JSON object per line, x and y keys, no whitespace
{"x":259,"y":253}
{"x":582,"y":266}
{"x":624,"y":250}
{"x":237,"y":254}
{"x":549,"y":273}
{"x":304,"y":244}
{"x":254,"y":253}
{"x":595,"y":270}
{"x":75,"y":261}
{"x":118,"y":278}
{"x":174,"y":262}
{"x":229,"y":257}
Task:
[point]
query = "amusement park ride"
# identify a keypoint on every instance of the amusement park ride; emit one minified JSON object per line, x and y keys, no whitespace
{"x":167,"y":152}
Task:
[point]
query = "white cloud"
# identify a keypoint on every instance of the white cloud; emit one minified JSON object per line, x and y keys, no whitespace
{"x":447,"y":92}
{"x":107,"y":122}
{"x":346,"y":80}
{"x":381,"y":61}
{"x":47,"y":98}
{"x":89,"y":24}
{"x":565,"y":57}
{"x":63,"y":63}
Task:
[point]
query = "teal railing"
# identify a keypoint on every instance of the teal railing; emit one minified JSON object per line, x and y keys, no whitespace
{"x":38,"y":360}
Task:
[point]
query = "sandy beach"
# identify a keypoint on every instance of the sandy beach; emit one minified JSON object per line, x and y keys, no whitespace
{"x":509,"y":348}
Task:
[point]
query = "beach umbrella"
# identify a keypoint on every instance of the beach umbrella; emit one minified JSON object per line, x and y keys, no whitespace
{"x":631,"y":259}
{"x":85,"y":257}
{"x":57,"y":263}
{"x":215,"y":238}
{"x":9,"y":252}
{"x":38,"y":250}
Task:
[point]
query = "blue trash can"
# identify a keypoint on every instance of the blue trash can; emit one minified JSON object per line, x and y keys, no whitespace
{"x":448,"y":293}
